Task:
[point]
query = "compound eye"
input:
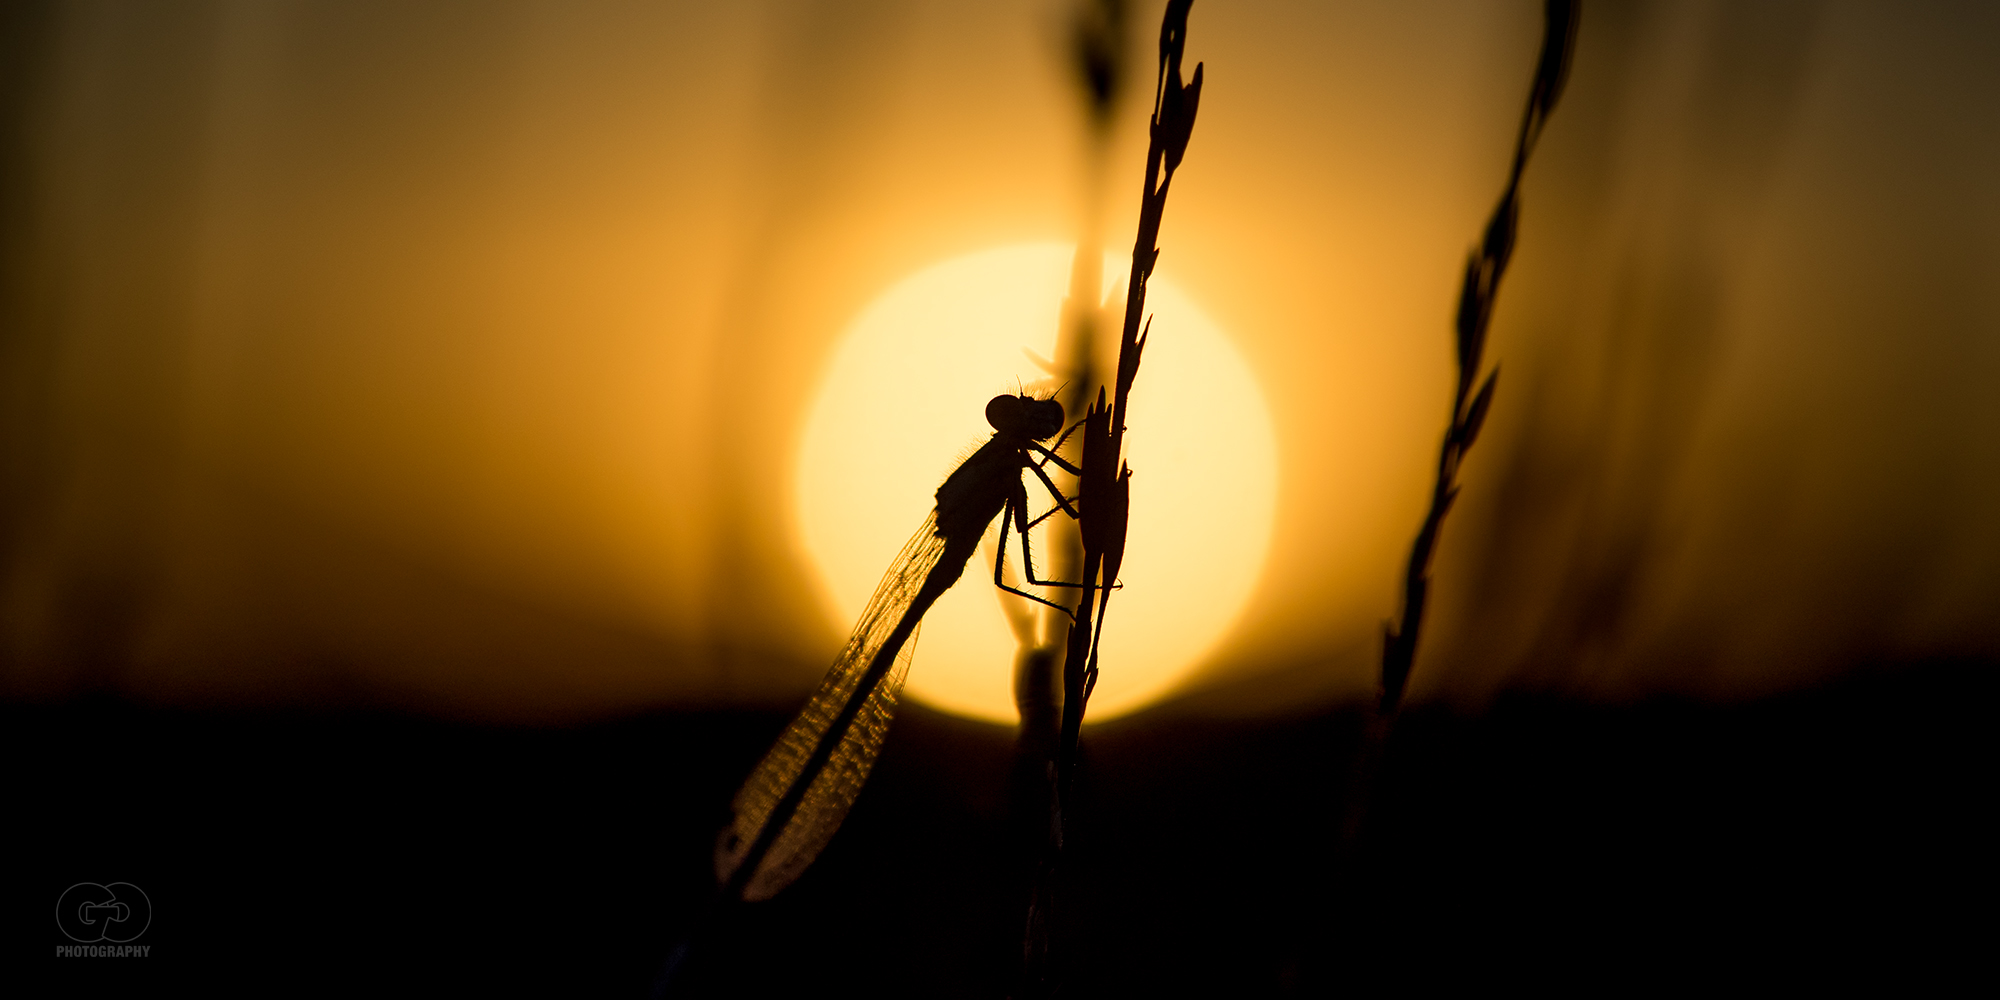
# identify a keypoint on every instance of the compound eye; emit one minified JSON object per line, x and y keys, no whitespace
{"x":1004,"y":413}
{"x":1045,"y":418}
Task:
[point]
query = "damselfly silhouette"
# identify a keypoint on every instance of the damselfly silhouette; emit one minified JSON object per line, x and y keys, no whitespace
{"x":796,"y":798}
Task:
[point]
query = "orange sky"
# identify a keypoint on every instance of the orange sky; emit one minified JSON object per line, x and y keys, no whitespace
{"x":453,"y":355}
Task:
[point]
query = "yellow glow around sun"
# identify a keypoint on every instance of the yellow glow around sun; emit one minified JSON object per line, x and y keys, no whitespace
{"x":903,"y":401}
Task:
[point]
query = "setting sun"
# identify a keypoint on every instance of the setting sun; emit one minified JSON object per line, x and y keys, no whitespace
{"x":901,"y":403}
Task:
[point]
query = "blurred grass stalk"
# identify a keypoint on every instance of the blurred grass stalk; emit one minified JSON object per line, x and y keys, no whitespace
{"x":1483,"y":270}
{"x":1097,"y":47}
{"x":1097,"y":51}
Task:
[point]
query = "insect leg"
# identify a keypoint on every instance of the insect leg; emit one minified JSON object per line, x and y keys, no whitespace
{"x":1019,"y":511}
{"x":1045,"y":515}
{"x":1073,"y":428}
{"x":1051,"y":456}
{"x":1061,"y":501}
{"x":1015,"y":510}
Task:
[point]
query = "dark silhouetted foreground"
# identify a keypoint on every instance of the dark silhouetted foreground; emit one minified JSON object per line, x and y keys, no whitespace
{"x":1813,"y":834}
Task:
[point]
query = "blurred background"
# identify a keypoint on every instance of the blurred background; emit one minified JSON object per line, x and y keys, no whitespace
{"x":447,"y":361}
{"x":455,"y":356}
